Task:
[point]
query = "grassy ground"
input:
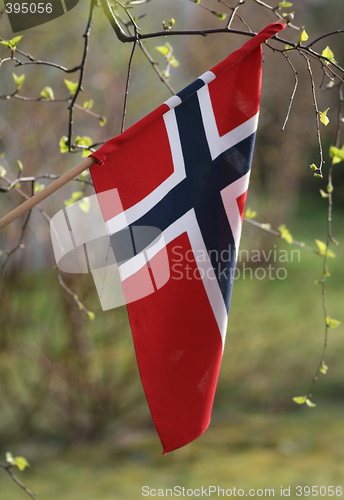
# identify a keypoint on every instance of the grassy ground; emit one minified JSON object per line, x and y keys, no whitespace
{"x":257,"y":451}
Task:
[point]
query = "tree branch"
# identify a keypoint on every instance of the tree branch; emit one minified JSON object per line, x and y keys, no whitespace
{"x":309,"y":45}
{"x":82,"y":72}
{"x":8,"y":468}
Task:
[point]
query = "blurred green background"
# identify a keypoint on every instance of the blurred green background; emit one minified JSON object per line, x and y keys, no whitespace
{"x":71,"y":398}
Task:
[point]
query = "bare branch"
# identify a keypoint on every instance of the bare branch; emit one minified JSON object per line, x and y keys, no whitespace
{"x":127,"y":86}
{"x":315,"y":103}
{"x":151,"y":60}
{"x":235,"y":13}
{"x":86,"y":36}
{"x":19,"y":246}
{"x":293,"y":92}
{"x":8,"y":468}
{"x":308,"y":46}
{"x":329,"y":240}
{"x":74,"y":296}
{"x":267,"y":229}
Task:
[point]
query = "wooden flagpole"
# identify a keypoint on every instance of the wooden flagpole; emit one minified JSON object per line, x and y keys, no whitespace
{"x":46,"y":192}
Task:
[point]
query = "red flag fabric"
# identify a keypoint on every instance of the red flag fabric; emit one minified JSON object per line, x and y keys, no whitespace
{"x":183,"y":170}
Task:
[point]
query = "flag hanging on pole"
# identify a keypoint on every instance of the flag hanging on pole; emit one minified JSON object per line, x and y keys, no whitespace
{"x":184,"y":170}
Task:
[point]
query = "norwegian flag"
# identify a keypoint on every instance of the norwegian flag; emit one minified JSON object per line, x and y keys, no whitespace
{"x":184,"y":169}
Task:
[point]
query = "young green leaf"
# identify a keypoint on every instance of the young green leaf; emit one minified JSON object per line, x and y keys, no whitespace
{"x":21,"y":463}
{"x":250,"y":214}
{"x":18,"y":80}
{"x":20,"y":166}
{"x":164,"y":49}
{"x":74,"y":197}
{"x":328,"y":54}
{"x":169,"y":25}
{"x":330,"y":188}
{"x":331,"y":322}
{"x":38,"y":187}
{"x":284,"y":5}
{"x":336,"y":154}
{"x":326,"y":273}
{"x":173,"y":61}
{"x":102,"y":121}
{"x":63,"y":144}
{"x":323,"y":368}
{"x":313,"y":166}
{"x":303,"y":37}
{"x":285,"y":234}
{"x":323,"y":250}
{"x":167,"y":50}
{"x":323,"y":117}
{"x":309,"y":403}
{"x":321,"y":246}
{"x":300,"y":400}
{"x":91,"y":315}
{"x":85,"y":205}
{"x":47,"y":93}
{"x":323,"y":194}
{"x":71,"y":86}
{"x":221,"y":16}
{"x":84,"y":174}
{"x":3,"y":171}
{"x":88,"y":104}
{"x":85,"y":142}
{"x":12,"y":44}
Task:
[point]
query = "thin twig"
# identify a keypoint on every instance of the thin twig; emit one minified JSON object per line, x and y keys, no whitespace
{"x":32,"y":60}
{"x":20,"y":245}
{"x":73,"y":295}
{"x":148,"y":55}
{"x":234,"y":11}
{"x":126,"y":91}
{"x":46,"y":63}
{"x":86,"y":36}
{"x":320,"y":57}
{"x":293,"y":92}
{"x":329,"y":240}
{"x":206,"y":8}
{"x":13,"y":184}
{"x":155,"y":68}
{"x":8,"y":468}
{"x":323,"y":36}
{"x":267,"y":228}
{"x":27,"y":197}
{"x":315,"y":103}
